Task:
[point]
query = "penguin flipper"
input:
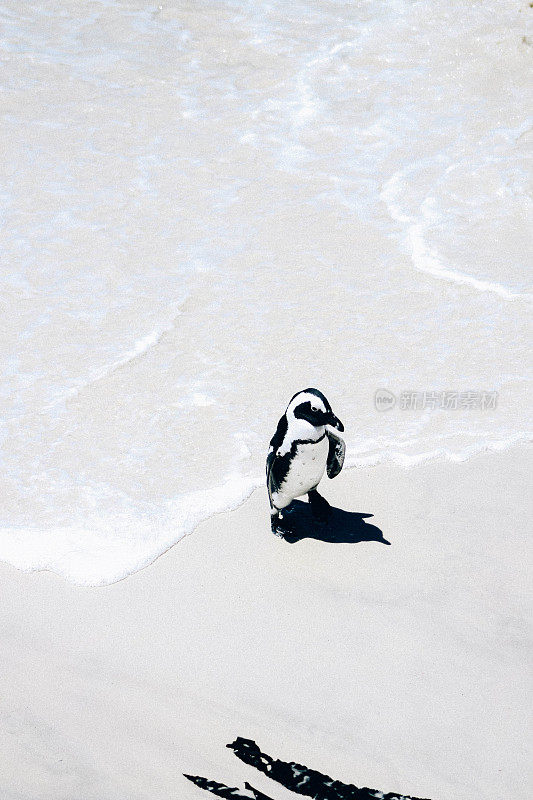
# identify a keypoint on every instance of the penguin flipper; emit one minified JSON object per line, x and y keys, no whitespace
{"x":278,"y":437}
{"x":271,"y":482}
{"x":275,"y":443}
{"x":336,"y":453}
{"x":276,"y":471}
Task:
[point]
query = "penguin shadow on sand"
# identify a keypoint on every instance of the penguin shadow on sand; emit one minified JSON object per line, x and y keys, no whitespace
{"x":340,"y":527}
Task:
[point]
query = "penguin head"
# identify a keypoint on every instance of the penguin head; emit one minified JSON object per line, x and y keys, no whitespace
{"x":312,"y":406}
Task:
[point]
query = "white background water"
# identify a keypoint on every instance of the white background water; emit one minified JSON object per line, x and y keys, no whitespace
{"x":208,"y":206}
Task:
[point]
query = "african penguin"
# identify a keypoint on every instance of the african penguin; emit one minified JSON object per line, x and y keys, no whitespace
{"x":301,"y":449}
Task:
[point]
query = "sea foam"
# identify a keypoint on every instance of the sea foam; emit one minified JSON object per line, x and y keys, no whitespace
{"x":208,"y":208}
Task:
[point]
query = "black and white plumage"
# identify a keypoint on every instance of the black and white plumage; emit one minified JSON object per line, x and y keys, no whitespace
{"x":301,"y":450}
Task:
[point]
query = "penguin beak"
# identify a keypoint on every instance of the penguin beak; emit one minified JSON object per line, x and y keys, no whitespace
{"x":335,"y":422}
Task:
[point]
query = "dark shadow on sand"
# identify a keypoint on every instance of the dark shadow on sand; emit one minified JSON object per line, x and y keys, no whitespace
{"x":342,"y":527}
{"x":295,"y":777}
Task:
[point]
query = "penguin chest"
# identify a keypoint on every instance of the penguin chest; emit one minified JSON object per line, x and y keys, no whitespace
{"x":307,"y":468}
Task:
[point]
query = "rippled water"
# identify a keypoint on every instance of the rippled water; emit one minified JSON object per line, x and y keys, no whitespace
{"x":207,"y":206}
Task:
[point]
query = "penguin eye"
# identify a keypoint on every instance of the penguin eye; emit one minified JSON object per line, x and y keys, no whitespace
{"x":314,"y":408}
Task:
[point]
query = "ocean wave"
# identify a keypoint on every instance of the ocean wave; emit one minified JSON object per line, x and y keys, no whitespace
{"x":207,"y":209}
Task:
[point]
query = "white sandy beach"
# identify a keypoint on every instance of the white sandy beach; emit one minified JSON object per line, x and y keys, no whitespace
{"x":402,"y":667}
{"x":207,"y":206}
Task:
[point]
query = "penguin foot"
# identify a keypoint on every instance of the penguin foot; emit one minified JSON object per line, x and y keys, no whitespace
{"x":319,"y":506}
{"x":278,"y":526}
